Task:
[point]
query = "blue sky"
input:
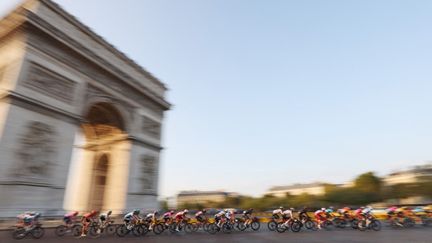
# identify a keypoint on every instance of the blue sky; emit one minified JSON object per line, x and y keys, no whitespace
{"x":276,"y":92}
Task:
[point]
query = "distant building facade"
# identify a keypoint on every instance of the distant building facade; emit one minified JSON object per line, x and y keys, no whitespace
{"x":316,"y":189}
{"x":413,"y":175}
{"x":80,"y":122}
{"x":201,"y":197}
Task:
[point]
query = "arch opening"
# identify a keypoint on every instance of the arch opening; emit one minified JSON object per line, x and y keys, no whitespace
{"x":98,"y":174}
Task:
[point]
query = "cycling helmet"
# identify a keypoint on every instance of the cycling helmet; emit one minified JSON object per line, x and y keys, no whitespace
{"x":93,"y":212}
{"x":109,"y":212}
{"x":281,"y":207}
{"x":75,"y":213}
{"x":204,"y":210}
{"x":323,"y":209}
{"x":171,"y":211}
{"x":292,"y":209}
{"x":186,"y":211}
{"x":156,"y":212}
{"x":136,"y":212}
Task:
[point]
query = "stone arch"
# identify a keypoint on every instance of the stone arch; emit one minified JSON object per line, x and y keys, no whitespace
{"x":103,"y":110}
{"x":104,"y":159}
{"x":99,"y":181}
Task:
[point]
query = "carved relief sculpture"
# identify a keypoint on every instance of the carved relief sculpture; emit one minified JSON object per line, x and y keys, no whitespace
{"x":50,"y":83}
{"x":36,"y":151}
{"x":148,"y":173}
{"x":151,"y":128}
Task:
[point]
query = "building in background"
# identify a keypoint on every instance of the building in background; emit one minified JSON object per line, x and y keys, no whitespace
{"x":316,"y":189}
{"x":413,"y":175}
{"x":80,"y":122}
{"x":202,"y":197}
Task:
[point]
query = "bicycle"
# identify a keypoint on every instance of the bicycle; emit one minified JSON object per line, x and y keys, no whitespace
{"x":254,"y":224}
{"x":98,"y":229}
{"x":75,"y":229}
{"x":369,"y":222}
{"x":36,"y":231}
{"x":136,"y":228}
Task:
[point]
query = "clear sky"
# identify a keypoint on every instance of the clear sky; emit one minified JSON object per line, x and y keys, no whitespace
{"x":276,"y":92}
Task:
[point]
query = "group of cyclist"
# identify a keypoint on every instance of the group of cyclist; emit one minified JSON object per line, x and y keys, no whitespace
{"x":171,"y":216}
{"x":396,"y":214}
{"x":28,"y":220}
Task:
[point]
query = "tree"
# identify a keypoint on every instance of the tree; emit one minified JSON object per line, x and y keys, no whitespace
{"x":368,"y":182}
{"x":164,"y":205}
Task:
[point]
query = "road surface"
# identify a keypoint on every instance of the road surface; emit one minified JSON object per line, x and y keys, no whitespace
{"x":386,"y":235}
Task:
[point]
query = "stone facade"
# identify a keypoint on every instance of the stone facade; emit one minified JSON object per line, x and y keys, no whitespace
{"x":68,"y":99}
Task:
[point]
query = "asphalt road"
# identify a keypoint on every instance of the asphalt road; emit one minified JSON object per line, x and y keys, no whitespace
{"x":413,"y":235}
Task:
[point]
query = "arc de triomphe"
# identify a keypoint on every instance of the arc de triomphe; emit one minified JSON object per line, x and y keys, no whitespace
{"x":80,"y":123}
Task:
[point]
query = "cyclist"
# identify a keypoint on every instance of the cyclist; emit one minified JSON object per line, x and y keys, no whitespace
{"x":247,"y":216}
{"x":358,"y":213}
{"x":199,"y":216}
{"x":277,"y":213}
{"x":320,"y":216}
{"x":288,"y":215}
{"x":179,"y":217}
{"x":131,"y":218}
{"x":329,"y":212}
{"x":218,"y":217}
{"x":69,"y":218}
{"x":86,"y":220}
{"x":392,"y":215}
{"x":29,"y":220}
{"x":152,"y":219}
{"x":167,"y":217}
{"x":345,"y":212}
{"x":230,"y":215}
{"x":104,"y":218}
{"x":302,"y":214}
{"x":367,"y":211}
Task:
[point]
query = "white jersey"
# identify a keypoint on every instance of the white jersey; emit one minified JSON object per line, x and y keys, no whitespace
{"x":367,"y":210}
{"x":288,"y":213}
{"x":277,"y":211}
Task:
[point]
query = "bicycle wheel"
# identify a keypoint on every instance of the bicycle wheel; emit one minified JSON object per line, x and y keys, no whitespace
{"x":408,"y":222}
{"x":281,"y":227}
{"x":94,"y":231}
{"x":326,"y":225}
{"x":60,"y":230}
{"x":76,"y":230}
{"x":241,"y":226}
{"x":110,"y":229}
{"x":272,"y":225}
{"x":227,"y":228}
{"x":173,"y":227}
{"x":196,"y":226}
{"x":362,"y":225}
{"x":255,"y":226}
{"x":296,"y":226}
{"x":138,"y":230}
{"x":158,"y":229}
{"x":375,"y":225}
{"x":188,"y":228}
{"x":206,"y":226}
{"x":37,"y":232}
{"x":212,"y":228}
{"x":122,"y":230}
{"x":309,"y":224}
{"x":19,"y":233}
